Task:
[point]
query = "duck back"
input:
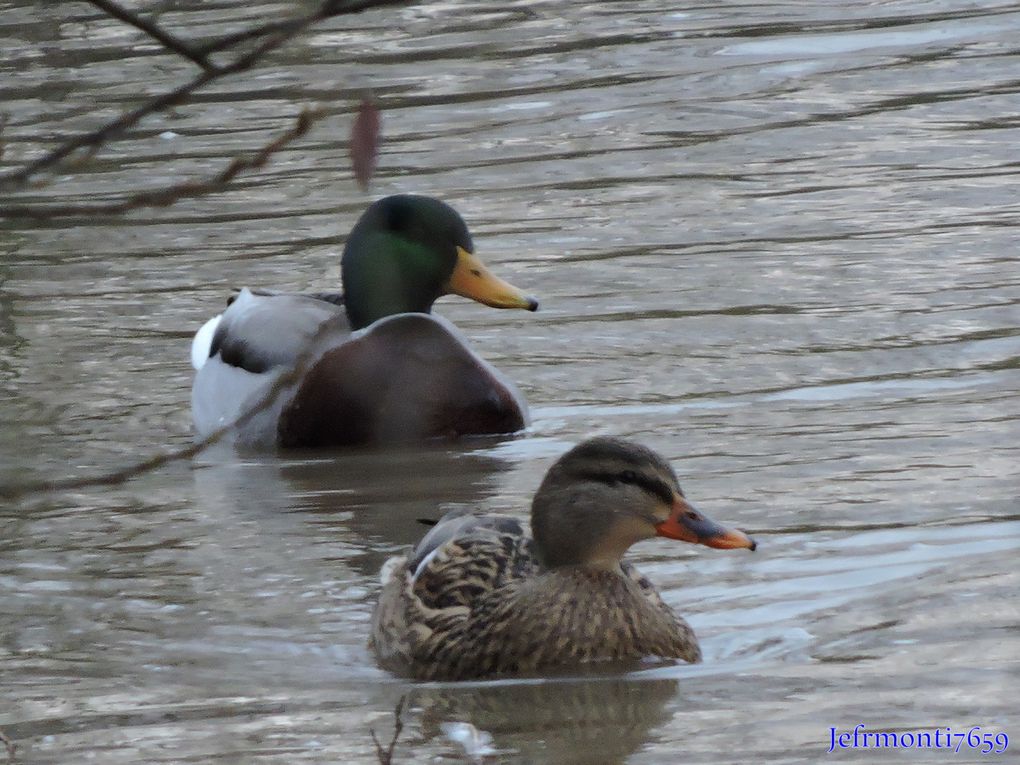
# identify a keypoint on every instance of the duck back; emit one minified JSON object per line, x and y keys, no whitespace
{"x":482,"y":605}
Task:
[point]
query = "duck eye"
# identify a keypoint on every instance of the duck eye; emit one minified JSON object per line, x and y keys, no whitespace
{"x":629,"y":476}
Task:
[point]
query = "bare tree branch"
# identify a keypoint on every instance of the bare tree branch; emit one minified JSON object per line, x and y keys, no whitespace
{"x":125,"y":474}
{"x":116,"y":127}
{"x":275,"y":36}
{"x":167,"y":196}
{"x":164,"y":38}
{"x":328,"y":9}
{"x":252,"y":33}
{"x":11,"y":747}
{"x":386,"y":755}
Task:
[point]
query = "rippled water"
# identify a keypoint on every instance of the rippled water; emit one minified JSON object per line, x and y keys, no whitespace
{"x":777,"y":242}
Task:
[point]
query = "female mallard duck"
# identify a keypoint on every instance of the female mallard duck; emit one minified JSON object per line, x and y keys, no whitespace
{"x":478,"y":598}
{"x":376,"y":365}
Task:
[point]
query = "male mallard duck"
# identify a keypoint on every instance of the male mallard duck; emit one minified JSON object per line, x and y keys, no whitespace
{"x":378,"y":366}
{"x":478,"y":597}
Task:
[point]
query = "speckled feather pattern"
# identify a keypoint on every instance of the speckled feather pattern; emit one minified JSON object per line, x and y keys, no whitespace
{"x":483,"y":606}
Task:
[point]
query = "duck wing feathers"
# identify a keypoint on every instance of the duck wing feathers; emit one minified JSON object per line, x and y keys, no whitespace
{"x":473,"y":600}
{"x":241,"y":353}
{"x":406,"y":377}
{"x":463,"y":559}
{"x":262,"y":330}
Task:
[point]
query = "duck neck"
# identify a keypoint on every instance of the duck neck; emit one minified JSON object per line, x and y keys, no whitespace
{"x":598,"y":581}
{"x":571,"y":534}
{"x":384,"y":275}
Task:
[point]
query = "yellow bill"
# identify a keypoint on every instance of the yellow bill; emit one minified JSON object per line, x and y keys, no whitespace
{"x":472,"y":279}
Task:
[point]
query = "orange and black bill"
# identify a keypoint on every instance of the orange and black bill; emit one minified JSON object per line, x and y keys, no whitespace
{"x":688,"y":525}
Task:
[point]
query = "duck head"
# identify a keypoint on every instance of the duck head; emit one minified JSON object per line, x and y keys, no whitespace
{"x":606,"y":494}
{"x":405,"y":252}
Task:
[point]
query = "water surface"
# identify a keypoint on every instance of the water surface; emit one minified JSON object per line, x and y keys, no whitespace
{"x":776,"y":242}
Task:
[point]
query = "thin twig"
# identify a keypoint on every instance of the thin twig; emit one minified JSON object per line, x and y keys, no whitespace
{"x":164,"y":38}
{"x":117,"y":126}
{"x":228,"y":41}
{"x":180,"y":94}
{"x":328,"y":9}
{"x":12,"y":748}
{"x":125,"y":474}
{"x":167,"y":196}
{"x":386,"y":755}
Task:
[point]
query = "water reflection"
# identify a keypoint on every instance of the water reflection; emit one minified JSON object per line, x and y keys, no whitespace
{"x":776,"y":243}
{"x":581,"y":720}
{"x":371,"y":498}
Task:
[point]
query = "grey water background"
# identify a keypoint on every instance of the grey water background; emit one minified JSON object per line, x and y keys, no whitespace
{"x":775,"y":241}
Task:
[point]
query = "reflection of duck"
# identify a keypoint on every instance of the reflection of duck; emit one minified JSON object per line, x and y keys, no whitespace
{"x":565,"y":721}
{"x":477,"y":597}
{"x":378,"y":367}
{"x":365,"y":501}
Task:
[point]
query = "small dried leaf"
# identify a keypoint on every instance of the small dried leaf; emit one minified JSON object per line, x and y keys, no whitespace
{"x":365,"y":136}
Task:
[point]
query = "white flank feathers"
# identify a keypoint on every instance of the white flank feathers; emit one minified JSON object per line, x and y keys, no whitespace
{"x":202,"y":342}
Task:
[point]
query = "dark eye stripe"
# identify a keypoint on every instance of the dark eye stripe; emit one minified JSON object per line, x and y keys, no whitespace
{"x":649,"y":483}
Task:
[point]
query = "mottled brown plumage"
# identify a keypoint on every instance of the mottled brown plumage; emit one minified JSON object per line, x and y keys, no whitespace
{"x":477,"y":597}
